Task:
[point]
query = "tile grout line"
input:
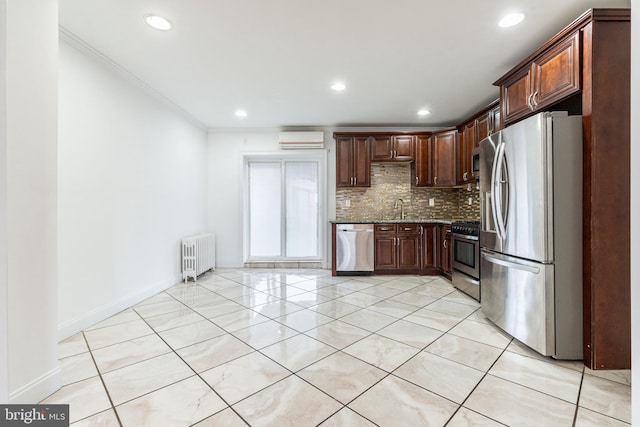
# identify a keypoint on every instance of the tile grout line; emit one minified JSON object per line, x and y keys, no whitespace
{"x":575,"y":413}
{"x":477,"y":385}
{"x":104,"y":385}
{"x":196,"y":374}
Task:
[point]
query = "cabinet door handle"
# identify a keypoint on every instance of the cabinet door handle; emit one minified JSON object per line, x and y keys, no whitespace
{"x":444,"y":243}
{"x":534,"y":100}
{"x":464,"y":176}
{"x":417,"y":180}
{"x":529,"y":104}
{"x":435,"y":180}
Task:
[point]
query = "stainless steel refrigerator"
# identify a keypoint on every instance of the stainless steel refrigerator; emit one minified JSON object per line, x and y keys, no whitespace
{"x":531,"y":232}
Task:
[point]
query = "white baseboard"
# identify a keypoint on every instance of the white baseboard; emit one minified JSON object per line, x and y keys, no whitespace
{"x":82,"y":322}
{"x":38,"y":389}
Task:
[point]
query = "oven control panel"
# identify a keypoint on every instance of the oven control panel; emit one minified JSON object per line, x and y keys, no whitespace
{"x":467,"y":228}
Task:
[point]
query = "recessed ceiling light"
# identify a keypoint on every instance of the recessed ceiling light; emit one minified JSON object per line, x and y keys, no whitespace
{"x":158,"y":22}
{"x":241,"y":113}
{"x":338,"y":86}
{"x":424,"y":112}
{"x":511,"y":20}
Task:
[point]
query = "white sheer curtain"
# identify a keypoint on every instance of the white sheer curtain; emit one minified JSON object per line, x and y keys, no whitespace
{"x":301,"y":183}
{"x":265,"y":209}
{"x":283,"y":209}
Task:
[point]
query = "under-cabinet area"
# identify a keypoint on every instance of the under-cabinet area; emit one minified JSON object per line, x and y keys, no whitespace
{"x":403,"y":247}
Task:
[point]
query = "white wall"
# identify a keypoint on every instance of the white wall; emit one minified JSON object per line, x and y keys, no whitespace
{"x":4,"y":391}
{"x":635,"y":209}
{"x":226,"y":149}
{"x":132,"y":182}
{"x":31,"y":143}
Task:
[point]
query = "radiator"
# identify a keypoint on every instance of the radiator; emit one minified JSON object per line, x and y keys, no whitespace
{"x":198,"y":255}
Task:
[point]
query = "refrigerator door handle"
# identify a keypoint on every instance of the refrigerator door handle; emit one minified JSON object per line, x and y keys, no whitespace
{"x":497,"y":190}
{"x":510,"y":264}
{"x":494,"y":189}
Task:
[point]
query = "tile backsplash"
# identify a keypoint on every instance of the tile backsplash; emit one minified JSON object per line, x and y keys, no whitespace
{"x":392,"y":181}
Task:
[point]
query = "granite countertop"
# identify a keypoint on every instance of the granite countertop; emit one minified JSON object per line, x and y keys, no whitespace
{"x":395,"y":221}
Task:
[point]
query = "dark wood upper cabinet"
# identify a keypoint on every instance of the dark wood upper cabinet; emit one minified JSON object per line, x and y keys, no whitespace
{"x":516,"y":96}
{"x":404,"y":147}
{"x":353,"y":166}
{"x":361,"y":163}
{"x":381,"y":148}
{"x":483,"y":128}
{"x":556,"y":74}
{"x":422,"y":167}
{"x":471,"y":132}
{"x":443,"y":152}
{"x":467,"y":140}
{"x":496,"y":119}
{"x":551,"y":77}
{"x":393,"y":148}
{"x":344,"y":162}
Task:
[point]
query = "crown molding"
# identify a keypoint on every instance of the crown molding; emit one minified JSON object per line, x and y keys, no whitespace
{"x":84,"y":47}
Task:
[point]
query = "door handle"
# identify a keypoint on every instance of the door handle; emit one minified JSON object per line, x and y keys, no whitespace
{"x":498,"y":196}
{"x":509,"y":264}
{"x":529,"y":102}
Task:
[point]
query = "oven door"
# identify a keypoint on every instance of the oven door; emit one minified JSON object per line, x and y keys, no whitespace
{"x":466,"y":255}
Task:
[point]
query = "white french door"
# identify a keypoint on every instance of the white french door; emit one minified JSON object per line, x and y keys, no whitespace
{"x":283,"y":207}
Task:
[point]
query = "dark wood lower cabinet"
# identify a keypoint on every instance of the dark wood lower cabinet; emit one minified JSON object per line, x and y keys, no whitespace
{"x":445,"y":250}
{"x":410,"y":248}
{"x":430,"y":249}
{"x":385,"y":253}
{"x":397,"y":248}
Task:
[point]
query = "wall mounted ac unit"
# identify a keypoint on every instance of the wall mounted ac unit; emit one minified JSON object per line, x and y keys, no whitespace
{"x":290,"y":140}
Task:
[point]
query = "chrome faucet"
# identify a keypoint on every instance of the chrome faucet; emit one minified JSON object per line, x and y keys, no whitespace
{"x":401,"y":207}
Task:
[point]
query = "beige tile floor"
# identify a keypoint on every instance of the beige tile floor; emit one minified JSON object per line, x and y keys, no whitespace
{"x":302,"y":348}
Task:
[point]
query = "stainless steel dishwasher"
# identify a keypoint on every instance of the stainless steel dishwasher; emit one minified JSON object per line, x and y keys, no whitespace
{"x":354,"y":249}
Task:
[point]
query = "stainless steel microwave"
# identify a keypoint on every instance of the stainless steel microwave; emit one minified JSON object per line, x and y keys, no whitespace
{"x":475,"y":163}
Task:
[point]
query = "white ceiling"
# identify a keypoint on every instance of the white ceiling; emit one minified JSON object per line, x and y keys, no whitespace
{"x":277,"y":58}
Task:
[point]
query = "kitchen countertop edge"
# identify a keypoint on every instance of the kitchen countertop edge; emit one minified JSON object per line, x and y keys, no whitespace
{"x":396,"y":221}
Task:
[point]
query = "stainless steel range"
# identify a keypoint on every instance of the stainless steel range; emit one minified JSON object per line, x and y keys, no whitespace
{"x":466,"y":257}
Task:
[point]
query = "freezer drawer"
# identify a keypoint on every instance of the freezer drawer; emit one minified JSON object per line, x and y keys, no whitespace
{"x":518,"y":296}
